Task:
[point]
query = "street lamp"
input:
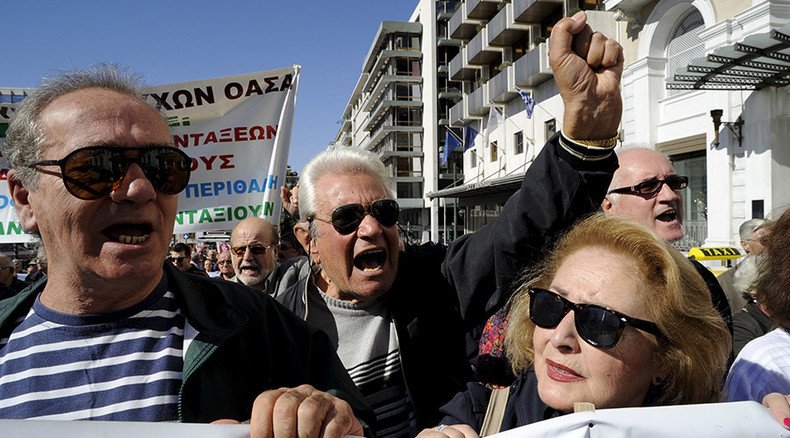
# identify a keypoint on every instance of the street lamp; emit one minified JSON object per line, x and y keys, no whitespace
{"x":734,"y":127}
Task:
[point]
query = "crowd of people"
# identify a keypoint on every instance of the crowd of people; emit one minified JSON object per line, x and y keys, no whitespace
{"x":573,"y":294}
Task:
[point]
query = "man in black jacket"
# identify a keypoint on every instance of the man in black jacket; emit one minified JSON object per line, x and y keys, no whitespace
{"x":401,"y":319}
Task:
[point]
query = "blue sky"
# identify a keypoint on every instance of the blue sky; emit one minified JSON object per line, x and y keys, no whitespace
{"x":169,"y":41}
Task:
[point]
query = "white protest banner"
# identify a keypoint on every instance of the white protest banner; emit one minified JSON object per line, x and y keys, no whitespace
{"x":722,"y":420}
{"x":237,"y":130}
{"x":10,"y":230}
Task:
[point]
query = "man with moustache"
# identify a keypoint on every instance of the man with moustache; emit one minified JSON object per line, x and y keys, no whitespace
{"x":114,"y":333}
{"x":254,"y":245}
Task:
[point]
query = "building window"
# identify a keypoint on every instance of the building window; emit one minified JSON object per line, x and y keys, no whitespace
{"x":492,"y":147}
{"x":684,"y":45}
{"x":550,"y":128}
{"x":518,"y":141}
{"x":473,"y":157}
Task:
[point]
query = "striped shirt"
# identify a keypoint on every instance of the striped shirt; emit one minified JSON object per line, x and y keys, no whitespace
{"x":123,"y":366}
{"x":367,"y":344}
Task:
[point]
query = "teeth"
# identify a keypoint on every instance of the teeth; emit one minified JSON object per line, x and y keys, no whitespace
{"x":132,"y":240}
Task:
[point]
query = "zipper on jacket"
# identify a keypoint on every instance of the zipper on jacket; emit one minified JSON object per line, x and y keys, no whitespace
{"x":203,"y":358}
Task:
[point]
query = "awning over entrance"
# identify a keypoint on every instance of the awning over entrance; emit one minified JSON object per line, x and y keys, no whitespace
{"x":507,"y":184}
{"x":759,"y":61}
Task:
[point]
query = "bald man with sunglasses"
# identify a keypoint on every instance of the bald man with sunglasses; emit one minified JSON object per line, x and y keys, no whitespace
{"x":115,"y":333}
{"x":405,"y":322}
{"x":254,"y":248}
{"x":647,"y":189}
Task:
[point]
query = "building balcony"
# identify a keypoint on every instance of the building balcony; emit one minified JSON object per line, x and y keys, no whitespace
{"x":449,"y":94}
{"x":384,"y":107}
{"x":481,"y":9}
{"x":384,"y":84}
{"x":459,"y":113}
{"x":443,"y":69}
{"x":502,"y":87}
{"x":478,"y":101}
{"x":460,"y":70}
{"x":503,"y":29}
{"x":449,"y":42}
{"x":387,"y":129}
{"x":460,"y":26}
{"x":533,"y":68}
{"x":478,"y":51}
{"x":533,"y":11}
{"x":382,"y":61}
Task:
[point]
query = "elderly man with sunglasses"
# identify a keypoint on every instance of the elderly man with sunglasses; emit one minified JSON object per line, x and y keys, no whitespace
{"x":646,"y":189}
{"x":254,"y":250}
{"x":405,"y":319}
{"x":115,"y":333}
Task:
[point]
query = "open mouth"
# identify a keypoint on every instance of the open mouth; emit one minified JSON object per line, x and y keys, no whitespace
{"x":370,"y":260}
{"x":130,"y":234}
{"x":667,"y":216}
{"x":249,"y":268}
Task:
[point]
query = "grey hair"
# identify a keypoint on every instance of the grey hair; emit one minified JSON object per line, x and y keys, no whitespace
{"x":616,"y":180}
{"x":25,"y":138}
{"x":748,"y":228}
{"x":341,"y":161}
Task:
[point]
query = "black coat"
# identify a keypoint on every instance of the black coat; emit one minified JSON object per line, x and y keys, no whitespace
{"x":443,"y":295}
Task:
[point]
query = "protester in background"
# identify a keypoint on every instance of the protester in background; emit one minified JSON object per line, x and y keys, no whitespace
{"x":94,"y":173}
{"x":225,"y":264}
{"x":763,"y":365}
{"x":254,"y":246}
{"x":10,"y":285}
{"x":615,"y":317}
{"x":751,"y":321}
{"x":34,"y":271}
{"x":208,"y":266}
{"x":647,"y":189}
{"x":181,"y":258}
{"x":406,"y":323}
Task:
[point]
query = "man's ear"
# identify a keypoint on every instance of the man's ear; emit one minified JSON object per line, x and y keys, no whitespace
{"x":20,"y":194}
{"x":302,"y":233}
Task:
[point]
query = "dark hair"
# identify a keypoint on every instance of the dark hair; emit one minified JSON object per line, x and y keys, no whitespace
{"x":773,"y":280}
{"x":182,"y":247}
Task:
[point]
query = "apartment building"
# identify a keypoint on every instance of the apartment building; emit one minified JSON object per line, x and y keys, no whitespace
{"x":397,"y":110}
{"x":739,"y":168}
{"x":504,"y":52}
{"x":480,"y":56}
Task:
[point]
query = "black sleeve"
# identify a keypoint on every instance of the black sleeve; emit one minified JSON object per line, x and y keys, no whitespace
{"x":566,"y":182}
{"x":747,"y":324}
{"x":717,"y":295}
{"x":468,"y":407}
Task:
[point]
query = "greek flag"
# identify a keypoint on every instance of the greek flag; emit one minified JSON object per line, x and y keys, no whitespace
{"x":529,"y":104}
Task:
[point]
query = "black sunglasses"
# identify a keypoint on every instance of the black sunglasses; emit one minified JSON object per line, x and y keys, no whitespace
{"x":176,"y":259}
{"x":94,"y":172}
{"x":653,"y":186}
{"x":597,"y":325}
{"x":256,"y":249}
{"x":346,"y":218}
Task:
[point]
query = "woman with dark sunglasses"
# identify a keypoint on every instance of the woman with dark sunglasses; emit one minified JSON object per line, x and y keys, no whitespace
{"x":614,"y":317}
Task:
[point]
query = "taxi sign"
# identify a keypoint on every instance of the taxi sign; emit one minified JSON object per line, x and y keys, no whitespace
{"x":714,"y":253}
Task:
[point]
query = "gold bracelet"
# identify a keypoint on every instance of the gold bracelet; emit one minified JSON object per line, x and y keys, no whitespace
{"x":605,"y":143}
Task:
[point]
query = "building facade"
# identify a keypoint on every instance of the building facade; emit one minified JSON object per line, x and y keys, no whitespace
{"x":472,"y":61}
{"x":397,"y":110}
